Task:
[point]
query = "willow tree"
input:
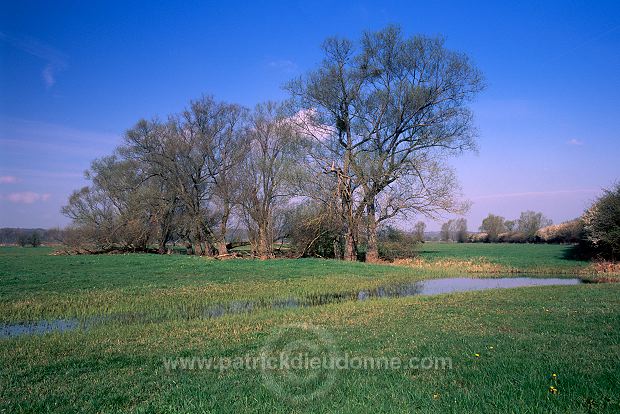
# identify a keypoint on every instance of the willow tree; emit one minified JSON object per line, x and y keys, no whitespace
{"x":193,"y":158}
{"x":390,"y":109}
{"x":266,"y":174}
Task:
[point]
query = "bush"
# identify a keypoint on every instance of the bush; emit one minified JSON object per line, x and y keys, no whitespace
{"x":396,"y":244}
{"x":35,"y":239}
{"x":567,"y":232}
{"x":478,"y":238}
{"x":601,"y":225}
{"x":512,"y":237}
{"x":397,"y":250}
{"x":313,"y":230}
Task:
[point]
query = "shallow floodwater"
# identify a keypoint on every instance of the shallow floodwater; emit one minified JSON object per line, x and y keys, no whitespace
{"x":465,"y":284}
{"x":425,"y":287}
{"x":40,"y":327}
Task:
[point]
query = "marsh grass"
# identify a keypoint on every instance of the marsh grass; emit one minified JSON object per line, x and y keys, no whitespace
{"x":37,"y":285}
{"x":522,"y":337}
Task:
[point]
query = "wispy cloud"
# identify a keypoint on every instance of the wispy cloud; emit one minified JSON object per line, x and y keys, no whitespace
{"x":283,"y":65}
{"x":20,"y":137}
{"x":55,"y":61}
{"x":574,"y":142}
{"x":26,"y":197}
{"x":535,"y":194}
{"x":8,"y":179}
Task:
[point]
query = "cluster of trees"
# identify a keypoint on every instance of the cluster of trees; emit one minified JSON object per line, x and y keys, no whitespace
{"x":596,"y":233}
{"x":29,"y":237}
{"x":454,"y":230}
{"x":362,"y":140}
{"x":529,"y":227}
{"x":522,"y":230}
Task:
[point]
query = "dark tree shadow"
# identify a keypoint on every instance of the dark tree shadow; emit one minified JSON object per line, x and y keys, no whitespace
{"x":578,"y":252}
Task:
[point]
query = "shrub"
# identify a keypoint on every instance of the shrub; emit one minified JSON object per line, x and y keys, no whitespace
{"x":313,"y":230}
{"x":512,"y":237}
{"x":601,"y":224}
{"x":35,"y":239}
{"x":396,"y":244}
{"x":397,"y":250}
{"x":567,"y":232}
{"x":478,"y":238}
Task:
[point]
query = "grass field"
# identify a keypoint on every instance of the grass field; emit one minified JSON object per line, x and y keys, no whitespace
{"x":526,"y":257}
{"x":504,"y":345}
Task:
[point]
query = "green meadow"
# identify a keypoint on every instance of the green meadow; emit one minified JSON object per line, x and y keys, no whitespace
{"x":504,"y":345}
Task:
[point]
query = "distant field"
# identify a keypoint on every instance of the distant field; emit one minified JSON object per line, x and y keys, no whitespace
{"x":521,"y":256}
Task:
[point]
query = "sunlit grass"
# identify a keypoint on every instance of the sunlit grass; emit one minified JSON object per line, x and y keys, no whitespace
{"x":522,"y":337}
{"x":521,"y":257}
{"x":38,"y":285}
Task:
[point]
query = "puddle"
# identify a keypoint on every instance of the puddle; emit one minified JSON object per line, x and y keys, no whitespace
{"x":464,"y":284}
{"x":40,"y":327}
{"x":425,"y":287}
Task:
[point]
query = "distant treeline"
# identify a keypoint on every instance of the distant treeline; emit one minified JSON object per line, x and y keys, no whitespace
{"x":596,"y":232}
{"x":33,"y":237}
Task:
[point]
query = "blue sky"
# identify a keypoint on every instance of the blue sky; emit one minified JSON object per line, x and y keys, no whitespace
{"x":75,"y":75}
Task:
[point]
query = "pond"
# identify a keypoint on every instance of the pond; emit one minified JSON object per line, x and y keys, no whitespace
{"x":424,"y":287}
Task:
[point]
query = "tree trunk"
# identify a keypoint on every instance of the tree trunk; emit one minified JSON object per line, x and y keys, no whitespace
{"x":265,"y":248}
{"x":372,"y":252}
{"x":221,"y":245}
{"x":161,"y":249}
{"x":209,"y":250}
{"x":337,"y":248}
{"x":350,"y":252}
{"x":222,"y":249}
{"x":350,"y":249}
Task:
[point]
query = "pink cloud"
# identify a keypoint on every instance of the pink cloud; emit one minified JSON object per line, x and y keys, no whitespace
{"x":27,"y":197}
{"x":7,"y":179}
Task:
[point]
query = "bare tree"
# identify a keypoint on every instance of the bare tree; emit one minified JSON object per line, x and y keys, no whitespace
{"x":460,"y":230}
{"x":266,"y":173}
{"x":530,"y":222}
{"x":493,"y":225}
{"x":445,"y":232}
{"x":153,"y":147}
{"x":192,"y":159}
{"x":418,"y":231}
{"x":393,"y":110}
{"x":510,"y":225}
{"x":224,"y":159}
